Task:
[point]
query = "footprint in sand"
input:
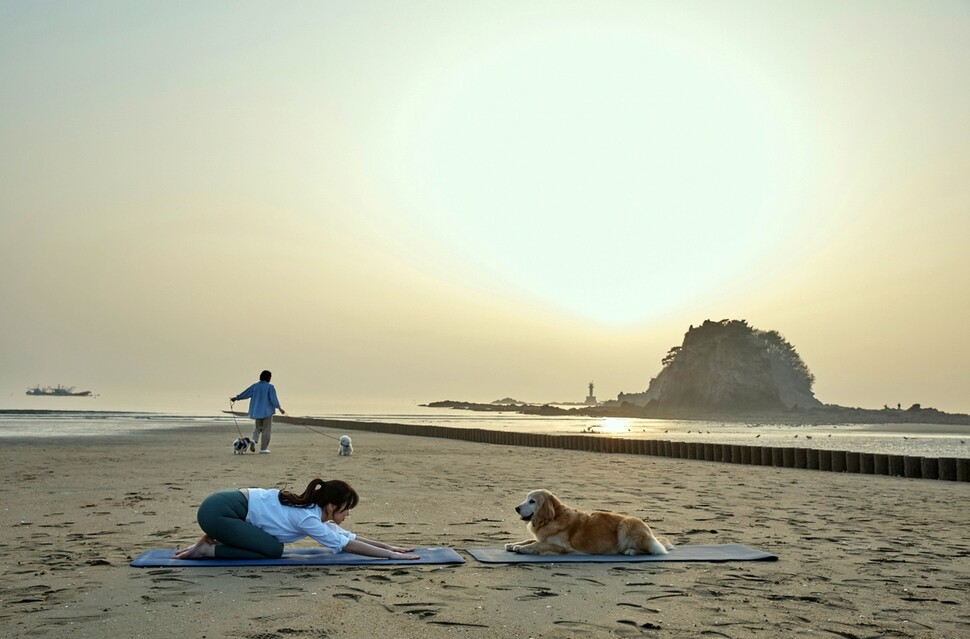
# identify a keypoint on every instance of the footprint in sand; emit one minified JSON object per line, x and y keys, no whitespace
{"x":421,"y":610}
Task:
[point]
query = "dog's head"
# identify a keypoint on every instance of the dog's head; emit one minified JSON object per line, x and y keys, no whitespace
{"x":344,"y":441}
{"x":539,"y":507}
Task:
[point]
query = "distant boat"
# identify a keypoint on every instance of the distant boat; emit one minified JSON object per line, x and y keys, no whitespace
{"x":57,"y":391}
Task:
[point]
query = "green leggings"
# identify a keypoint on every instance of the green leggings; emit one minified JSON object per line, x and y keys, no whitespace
{"x":222,"y":516}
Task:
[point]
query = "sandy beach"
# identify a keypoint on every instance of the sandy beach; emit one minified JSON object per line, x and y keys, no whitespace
{"x":859,"y":555}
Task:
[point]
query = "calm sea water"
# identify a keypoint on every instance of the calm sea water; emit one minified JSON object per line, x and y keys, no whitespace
{"x":95,"y":423}
{"x":921,"y":440}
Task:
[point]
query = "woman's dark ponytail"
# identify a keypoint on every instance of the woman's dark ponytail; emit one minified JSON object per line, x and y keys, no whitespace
{"x":322,"y":493}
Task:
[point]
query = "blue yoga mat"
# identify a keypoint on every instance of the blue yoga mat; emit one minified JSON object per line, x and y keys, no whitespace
{"x":723,"y":552}
{"x":299,"y":557}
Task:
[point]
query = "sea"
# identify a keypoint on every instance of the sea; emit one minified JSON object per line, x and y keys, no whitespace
{"x":918,"y":440}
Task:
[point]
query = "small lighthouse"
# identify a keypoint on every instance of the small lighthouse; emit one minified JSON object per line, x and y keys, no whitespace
{"x":591,"y":398}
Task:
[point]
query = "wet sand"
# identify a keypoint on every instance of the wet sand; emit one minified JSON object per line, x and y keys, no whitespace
{"x":860,"y":555}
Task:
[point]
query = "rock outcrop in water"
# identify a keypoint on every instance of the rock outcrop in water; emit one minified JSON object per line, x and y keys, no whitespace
{"x":731,"y":366}
{"x":728,"y":370}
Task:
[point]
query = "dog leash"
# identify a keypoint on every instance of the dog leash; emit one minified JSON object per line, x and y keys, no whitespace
{"x":311,"y":429}
{"x":234,"y":419}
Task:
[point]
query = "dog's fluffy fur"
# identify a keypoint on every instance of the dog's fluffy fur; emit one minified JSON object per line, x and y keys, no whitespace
{"x":346,"y":447}
{"x":241,"y":446}
{"x":558,"y":529}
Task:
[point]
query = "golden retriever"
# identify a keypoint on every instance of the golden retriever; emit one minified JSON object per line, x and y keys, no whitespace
{"x":558,"y":529}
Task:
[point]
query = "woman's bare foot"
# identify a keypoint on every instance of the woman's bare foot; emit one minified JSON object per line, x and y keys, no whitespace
{"x":202,"y":549}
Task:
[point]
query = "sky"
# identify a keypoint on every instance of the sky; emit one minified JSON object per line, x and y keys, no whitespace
{"x":391,"y":203}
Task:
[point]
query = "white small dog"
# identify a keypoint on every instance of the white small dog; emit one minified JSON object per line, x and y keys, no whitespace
{"x":240,"y":446}
{"x":346,"y":448}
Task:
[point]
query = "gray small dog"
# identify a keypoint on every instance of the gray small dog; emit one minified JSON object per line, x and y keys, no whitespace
{"x":346,"y":448}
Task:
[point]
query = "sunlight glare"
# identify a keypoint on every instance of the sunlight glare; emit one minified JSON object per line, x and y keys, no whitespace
{"x":613,"y":176}
{"x":611,"y":425}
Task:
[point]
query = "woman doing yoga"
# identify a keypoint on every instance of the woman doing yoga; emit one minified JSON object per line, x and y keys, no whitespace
{"x":254,"y":523}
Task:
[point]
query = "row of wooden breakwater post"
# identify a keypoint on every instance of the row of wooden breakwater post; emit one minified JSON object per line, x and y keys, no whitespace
{"x":839,"y":461}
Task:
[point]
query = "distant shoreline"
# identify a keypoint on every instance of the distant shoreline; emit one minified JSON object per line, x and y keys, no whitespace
{"x":828,"y":414}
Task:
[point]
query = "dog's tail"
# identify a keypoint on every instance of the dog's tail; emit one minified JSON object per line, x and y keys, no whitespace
{"x":662,"y":542}
{"x":656,"y":547}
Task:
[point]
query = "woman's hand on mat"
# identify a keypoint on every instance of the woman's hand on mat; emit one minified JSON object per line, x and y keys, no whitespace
{"x":399,"y":549}
{"x":401,"y":553}
{"x":370,"y":548}
{"x":361,"y":544}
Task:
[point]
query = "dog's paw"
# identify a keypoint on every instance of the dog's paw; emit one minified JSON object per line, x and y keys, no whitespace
{"x":511,"y":548}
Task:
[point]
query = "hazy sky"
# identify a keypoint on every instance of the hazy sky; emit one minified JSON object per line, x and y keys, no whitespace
{"x":399,"y":202}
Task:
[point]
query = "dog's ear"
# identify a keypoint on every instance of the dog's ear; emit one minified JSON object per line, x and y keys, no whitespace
{"x":546,"y":511}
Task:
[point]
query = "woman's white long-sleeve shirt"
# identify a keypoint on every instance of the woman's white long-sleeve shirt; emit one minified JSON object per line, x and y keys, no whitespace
{"x":289,"y":523}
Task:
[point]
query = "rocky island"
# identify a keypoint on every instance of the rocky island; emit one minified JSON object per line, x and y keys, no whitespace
{"x":728,"y":369}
